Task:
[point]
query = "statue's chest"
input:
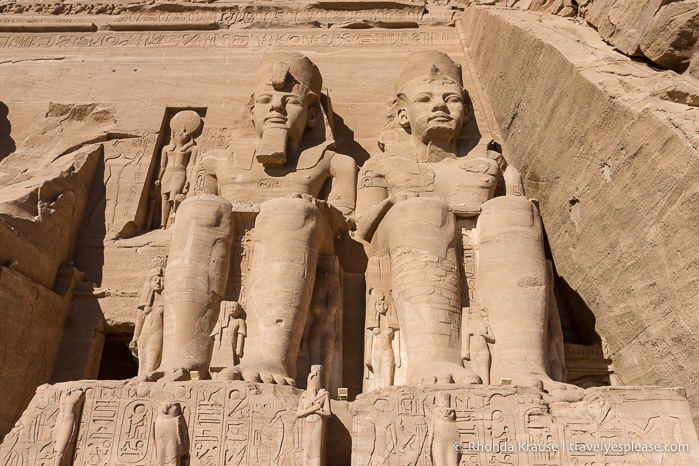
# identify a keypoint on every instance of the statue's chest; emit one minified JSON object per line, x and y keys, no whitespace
{"x":259,"y":185}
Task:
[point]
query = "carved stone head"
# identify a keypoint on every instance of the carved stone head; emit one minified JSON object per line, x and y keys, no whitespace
{"x":431,"y":98}
{"x":288,"y":86}
{"x":315,"y":377}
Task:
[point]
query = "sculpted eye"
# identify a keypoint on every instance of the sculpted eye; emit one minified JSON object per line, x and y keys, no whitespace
{"x":293,"y":101}
{"x":423,"y":98}
{"x":263,"y":99}
{"x":453,"y":98}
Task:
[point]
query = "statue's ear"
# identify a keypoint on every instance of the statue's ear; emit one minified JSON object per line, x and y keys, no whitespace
{"x":312,"y":117}
{"x":402,"y":117}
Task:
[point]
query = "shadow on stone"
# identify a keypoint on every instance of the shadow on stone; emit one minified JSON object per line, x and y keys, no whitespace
{"x":7,"y":144}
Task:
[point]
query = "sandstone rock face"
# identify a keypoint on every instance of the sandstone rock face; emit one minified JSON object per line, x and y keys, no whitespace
{"x":671,"y":37}
{"x":623,"y":23}
{"x":598,"y":159}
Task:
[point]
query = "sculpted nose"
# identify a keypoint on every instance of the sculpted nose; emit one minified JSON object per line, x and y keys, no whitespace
{"x":439,"y":104}
{"x":277,"y":105}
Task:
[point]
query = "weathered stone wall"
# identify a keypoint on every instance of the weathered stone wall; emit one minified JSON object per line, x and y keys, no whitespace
{"x":613,"y":161}
{"x":663,"y":31}
{"x":31,"y":324}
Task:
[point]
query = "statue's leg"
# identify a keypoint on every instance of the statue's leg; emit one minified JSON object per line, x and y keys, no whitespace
{"x":289,"y":235}
{"x":513,"y":286}
{"x":420,"y":235}
{"x":195,"y":281}
{"x":164,"y":210}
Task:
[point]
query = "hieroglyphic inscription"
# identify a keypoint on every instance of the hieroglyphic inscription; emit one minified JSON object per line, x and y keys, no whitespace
{"x":512,"y":426}
{"x":228,"y":40}
{"x":230,"y":423}
{"x":135,"y":425}
{"x":244,"y":15}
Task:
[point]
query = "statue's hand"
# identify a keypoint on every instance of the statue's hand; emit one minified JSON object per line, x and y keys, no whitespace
{"x":185,"y":190}
{"x":133,"y":347}
{"x":398,"y":363}
{"x":157,"y":183}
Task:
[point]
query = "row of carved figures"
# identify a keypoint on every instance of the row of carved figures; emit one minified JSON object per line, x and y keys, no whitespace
{"x":459,"y":287}
{"x":171,"y":434}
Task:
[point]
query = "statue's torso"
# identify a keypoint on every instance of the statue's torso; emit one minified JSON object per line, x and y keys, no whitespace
{"x":464,"y":184}
{"x":256,"y":184}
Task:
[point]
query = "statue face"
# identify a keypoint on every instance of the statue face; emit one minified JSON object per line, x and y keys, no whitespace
{"x":433,"y":110}
{"x":381,"y":306}
{"x":282,"y":109}
{"x":156,"y":282}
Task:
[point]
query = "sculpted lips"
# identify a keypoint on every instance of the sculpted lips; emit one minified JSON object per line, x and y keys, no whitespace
{"x":276,"y":118}
{"x":440,"y":116}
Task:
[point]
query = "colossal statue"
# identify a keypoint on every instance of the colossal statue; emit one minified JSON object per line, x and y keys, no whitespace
{"x":301,"y":195}
{"x":428,"y":212}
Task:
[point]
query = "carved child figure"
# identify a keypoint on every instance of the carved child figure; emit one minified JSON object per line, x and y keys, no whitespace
{"x":229,"y":336}
{"x":67,"y":422}
{"x":314,"y":408}
{"x":171,"y":436}
{"x":475,"y":336}
{"x":147,"y":341}
{"x":302,"y":194}
{"x":176,"y":163}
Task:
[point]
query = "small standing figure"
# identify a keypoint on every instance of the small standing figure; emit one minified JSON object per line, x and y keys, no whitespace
{"x":65,"y":430}
{"x":229,"y":336}
{"x":171,"y":436}
{"x":444,"y":435}
{"x":314,"y":407}
{"x":147,"y":341}
{"x":176,"y":163}
{"x":383,"y":342}
{"x":476,"y":335}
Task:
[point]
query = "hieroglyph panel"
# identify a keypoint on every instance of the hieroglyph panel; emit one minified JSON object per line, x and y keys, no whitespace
{"x":228,"y":423}
{"x":517,"y":426}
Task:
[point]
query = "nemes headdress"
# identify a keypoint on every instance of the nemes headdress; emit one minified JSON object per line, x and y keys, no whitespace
{"x":283,"y":70}
{"x":428,"y":65}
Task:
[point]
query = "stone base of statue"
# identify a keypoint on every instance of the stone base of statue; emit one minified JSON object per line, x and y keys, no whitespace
{"x":507,"y":425}
{"x":241,"y":423}
{"x":227,"y":423}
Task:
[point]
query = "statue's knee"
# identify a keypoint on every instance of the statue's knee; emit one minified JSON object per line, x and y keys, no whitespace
{"x":287,"y":213}
{"x":509,"y":212}
{"x":430,"y":212}
{"x":206,"y":211}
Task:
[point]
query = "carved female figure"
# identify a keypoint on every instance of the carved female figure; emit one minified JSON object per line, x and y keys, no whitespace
{"x":383,"y":344}
{"x":229,"y":336}
{"x":476,"y":335}
{"x":147,"y":341}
